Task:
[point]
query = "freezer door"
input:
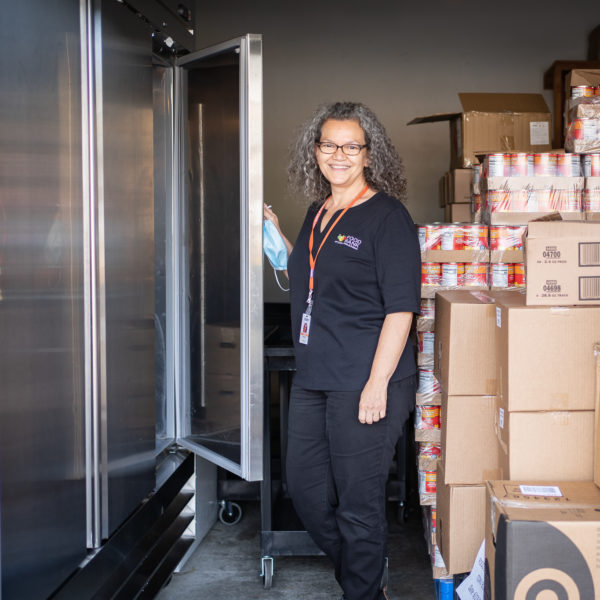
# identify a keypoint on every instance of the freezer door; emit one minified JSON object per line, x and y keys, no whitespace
{"x":217,"y":254}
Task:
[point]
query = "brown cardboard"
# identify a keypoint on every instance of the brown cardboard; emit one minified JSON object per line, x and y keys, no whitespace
{"x":523,"y":218}
{"x":545,"y":355}
{"x":527,"y":533}
{"x":597,"y":418}
{"x":506,"y":256}
{"x":427,"y":435}
{"x":469,"y":448}
{"x":464,"y":347}
{"x":460,"y":186}
{"x":555,"y":445}
{"x":457,"y":213}
{"x":563,"y":263}
{"x":495,"y":123}
{"x":460,"y":523}
{"x":582,"y":77}
{"x":471,"y":256}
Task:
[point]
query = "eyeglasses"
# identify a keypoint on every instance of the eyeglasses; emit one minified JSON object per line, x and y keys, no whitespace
{"x":348,"y":149}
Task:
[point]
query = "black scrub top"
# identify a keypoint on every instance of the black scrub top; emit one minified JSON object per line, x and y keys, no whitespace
{"x":369,"y":267}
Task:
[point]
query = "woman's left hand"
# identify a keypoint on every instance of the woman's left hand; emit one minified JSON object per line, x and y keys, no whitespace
{"x":373,"y":402}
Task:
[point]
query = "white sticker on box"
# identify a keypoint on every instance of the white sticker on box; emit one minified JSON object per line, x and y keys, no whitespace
{"x":472,"y":587}
{"x":541,"y":490}
{"x":498,"y":317}
{"x":501,"y":418}
{"x":539,"y":133}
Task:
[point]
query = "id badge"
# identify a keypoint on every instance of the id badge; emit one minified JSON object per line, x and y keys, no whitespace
{"x":304,"y":328}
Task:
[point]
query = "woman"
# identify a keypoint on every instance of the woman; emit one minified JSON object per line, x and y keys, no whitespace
{"x":354,"y":283}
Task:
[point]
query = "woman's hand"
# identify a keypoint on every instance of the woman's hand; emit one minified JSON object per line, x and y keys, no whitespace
{"x":373,"y":401}
{"x":269,"y":215}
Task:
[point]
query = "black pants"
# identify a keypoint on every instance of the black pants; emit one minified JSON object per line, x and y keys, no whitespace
{"x":337,"y":470}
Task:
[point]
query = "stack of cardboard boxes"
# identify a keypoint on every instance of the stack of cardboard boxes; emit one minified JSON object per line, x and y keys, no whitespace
{"x":518,"y":381}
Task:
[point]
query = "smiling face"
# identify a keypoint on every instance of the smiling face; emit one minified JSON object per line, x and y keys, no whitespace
{"x":342,"y":171}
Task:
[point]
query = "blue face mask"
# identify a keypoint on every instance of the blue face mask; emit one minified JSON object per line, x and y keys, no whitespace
{"x":274,"y":246}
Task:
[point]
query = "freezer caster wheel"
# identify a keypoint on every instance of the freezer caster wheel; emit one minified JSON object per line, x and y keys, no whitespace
{"x":402,"y":513}
{"x":267,"y":571}
{"x":230,"y":513}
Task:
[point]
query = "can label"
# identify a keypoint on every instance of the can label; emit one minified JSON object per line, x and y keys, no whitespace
{"x":421,"y":232}
{"x":476,"y":274}
{"x":452,"y":237}
{"x":591,"y":200}
{"x":582,"y":91}
{"x":498,"y":200}
{"x":476,"y":202}
{"x":591,"y":165}
{"x":506,"y":237}
{"x":569,"y":200}
{"x":431,"y":273}
{"x":432,"y":236}
{"x":430,"y":449}
{"x":430,"y":417}
{"x":475,"y":237}
{"x":544,"y":164}
{"x":498,"y":165}
{"x":503,"y":275}
{"x":568,"y":165}
{"x":425,"y":341}
{"x":428,"y":308}
{"x":453,"y":274}
{"x":519,"y":275}
{"x":585,"y":129}
{"x":428,"y":383}
{"x":521,"y":164}
{"x":427,"y":482}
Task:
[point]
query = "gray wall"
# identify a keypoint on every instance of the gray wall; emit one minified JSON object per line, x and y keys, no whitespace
{"x":403,"y":59}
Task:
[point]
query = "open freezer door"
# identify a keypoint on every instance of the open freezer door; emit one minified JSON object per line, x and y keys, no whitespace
{"x":217,"y":255}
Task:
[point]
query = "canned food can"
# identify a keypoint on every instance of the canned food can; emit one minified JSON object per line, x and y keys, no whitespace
{"x":429,"y":449}
{"x":476,"y":274}
{"x":425,"y":342}
{"x":569,"y":200}
{"x":430,"y":417}
{"x":476,"y":174}
{"x":428,"y":308}
{"x":506,"y":237}
{"x":453,"y":274}
{"x":476,"y":202}
{"x":591,"y":165}
{"x":582,"y":91}
{"x":545,"y":200}
{"x":544,"y":164}
{"x":518,"y":200}
{"x":427,"y":482}
{"x":519,"y":275}
{"x":585,"y":129}
{"x":475,"y":236}
{"x":431,"y":273}
{"x":428,"y":383}
{"x":521,"y":164}
{"x":503,"y":275}
{"x":591,"y":200}
{"x":498,"y":165}
{"x":433,"y":518}
{"x":421,"y":232}
{"x":568,"y":165}
{"x":498,"y":200}
{"x":432,"y":236}
{"x":452,"y":237}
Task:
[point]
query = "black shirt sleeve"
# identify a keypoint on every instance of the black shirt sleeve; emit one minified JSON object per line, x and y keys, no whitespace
{"x":398,"y":263}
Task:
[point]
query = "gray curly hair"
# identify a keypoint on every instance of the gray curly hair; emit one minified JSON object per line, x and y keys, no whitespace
{"x":385,"y":172}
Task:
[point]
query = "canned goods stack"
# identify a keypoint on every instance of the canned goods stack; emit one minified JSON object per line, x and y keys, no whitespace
{"x":506,"y":257}
{"x":591,"y":193}
{"x":426,"y":318}
{"x":582,"y":116}
{"x":518,"y":186}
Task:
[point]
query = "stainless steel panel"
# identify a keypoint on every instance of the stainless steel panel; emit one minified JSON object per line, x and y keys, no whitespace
{"x":42,"y":454}
{"x":163,"y":183}
{"x":220,"y":385}
{"x":125,"y":261}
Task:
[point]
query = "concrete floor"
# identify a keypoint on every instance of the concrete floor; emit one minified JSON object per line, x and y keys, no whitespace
{"x":226,"y":565}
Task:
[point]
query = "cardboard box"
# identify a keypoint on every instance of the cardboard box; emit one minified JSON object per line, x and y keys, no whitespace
{"x":562,"y":261}
{"x":464,"y":347}
{"x":546,"y":445}
{"x":460,"y":523}
{"x":581,"y":77}
{"x":469,"y":449}
{"x":457,"y":213}
{"x":545,"y":355}
{"x":442,"y":190}
{"x":460,"y":186}
{"x":537,"y":544}
{"x":495,"y":123}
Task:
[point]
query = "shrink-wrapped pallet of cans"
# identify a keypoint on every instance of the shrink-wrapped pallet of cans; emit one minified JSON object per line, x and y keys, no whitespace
{"x":582,"y":118}
{"x":425,"y":342}
{"x":426,"y":318}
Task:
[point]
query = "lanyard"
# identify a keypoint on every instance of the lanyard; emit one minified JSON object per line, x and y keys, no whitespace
{"x":313,"y":260}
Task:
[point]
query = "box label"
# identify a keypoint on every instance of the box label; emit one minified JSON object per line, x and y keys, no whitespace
{"x":541,"y":490}
{"x":552,"y":255}
{"x":539,"y":133}
{"x":589,"y":254}
{"x":498,"y":317}
{"x":501,"y":418}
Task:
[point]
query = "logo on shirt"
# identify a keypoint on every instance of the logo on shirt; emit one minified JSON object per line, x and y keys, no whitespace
{"x":348,"y":240}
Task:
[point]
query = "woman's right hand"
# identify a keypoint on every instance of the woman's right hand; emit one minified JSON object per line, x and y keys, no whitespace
{"x":269,"y":215}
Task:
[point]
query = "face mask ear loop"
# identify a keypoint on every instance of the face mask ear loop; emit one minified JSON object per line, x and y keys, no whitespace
{"x":279,"y":284}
